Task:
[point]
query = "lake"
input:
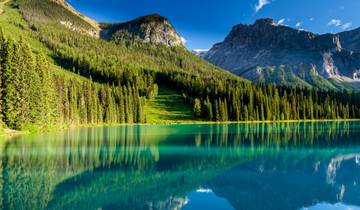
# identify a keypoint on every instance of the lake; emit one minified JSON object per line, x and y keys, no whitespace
{"x":271,"y":166}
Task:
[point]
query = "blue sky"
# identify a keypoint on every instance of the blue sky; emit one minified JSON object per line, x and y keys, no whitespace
{"x":205,"y":22}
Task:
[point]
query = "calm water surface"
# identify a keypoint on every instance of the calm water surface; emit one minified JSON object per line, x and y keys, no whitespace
{"x":211,"y":167}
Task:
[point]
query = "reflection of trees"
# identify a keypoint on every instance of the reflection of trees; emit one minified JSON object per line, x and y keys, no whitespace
{"x":108,"y":166}
{"x":33,"y":165}
{"x":278,"y":134}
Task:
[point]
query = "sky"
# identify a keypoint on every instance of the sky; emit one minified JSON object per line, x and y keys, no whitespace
{"x":202,"y":23}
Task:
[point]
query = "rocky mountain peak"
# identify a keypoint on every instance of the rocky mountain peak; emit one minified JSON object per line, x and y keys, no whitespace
{"x":265,"y":21}
{"x":265,"y":33}
{"x":152,"y":28}
{"x":269,"y":52}
{"x":152,"y":18}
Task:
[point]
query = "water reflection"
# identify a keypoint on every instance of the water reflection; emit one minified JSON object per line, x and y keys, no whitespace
{"x":327,"y":206}
{"x":235,"y":166}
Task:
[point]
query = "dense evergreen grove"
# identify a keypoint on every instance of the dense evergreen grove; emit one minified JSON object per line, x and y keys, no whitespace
{"x":110,"y":82}
{"x":32,"y":95}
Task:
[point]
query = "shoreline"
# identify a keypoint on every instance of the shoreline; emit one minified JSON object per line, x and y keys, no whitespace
{"x":206,"y":122}
{"x":248,"y":122}
{"x":9,"y":133}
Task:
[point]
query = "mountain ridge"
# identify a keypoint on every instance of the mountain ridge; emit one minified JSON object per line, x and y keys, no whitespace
{"x":272,"y":53}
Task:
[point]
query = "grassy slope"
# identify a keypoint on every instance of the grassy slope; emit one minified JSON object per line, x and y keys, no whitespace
{"x":168,"y":107}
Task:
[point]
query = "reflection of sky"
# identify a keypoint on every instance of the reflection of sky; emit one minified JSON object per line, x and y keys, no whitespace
{"x":206,"y":199}
{"x":284,"y":185}
{"x":327,"y":206}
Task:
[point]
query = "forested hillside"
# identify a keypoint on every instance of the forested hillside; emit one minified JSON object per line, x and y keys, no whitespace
{"x":31,"y":95}
{"x":56,"y":75}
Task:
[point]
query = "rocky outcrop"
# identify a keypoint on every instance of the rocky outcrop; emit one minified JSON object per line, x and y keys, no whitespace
{"x":70,"y":25}
{"x":153,"y":29}
{"x":268,"y":52}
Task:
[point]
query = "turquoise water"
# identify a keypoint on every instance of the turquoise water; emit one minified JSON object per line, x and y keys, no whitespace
{"x":211,"y":167}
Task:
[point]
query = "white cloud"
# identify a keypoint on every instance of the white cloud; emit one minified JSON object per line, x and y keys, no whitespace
{"x":261,"y":4}
{"x":183,"y":40}
{"x":298,"y":24}
{"x":346,"y":25}
{"x":281,"y":21}
{"x":200,"y":50}
{"x":338,"y":23}
{"x":312,"y":19}
{"x":334,"y":22}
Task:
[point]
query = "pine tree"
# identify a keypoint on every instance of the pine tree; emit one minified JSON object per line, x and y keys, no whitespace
{"x":197,"y":107}
{"x":208,"y":109}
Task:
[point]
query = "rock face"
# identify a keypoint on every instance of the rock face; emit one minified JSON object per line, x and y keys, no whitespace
{"x":272,"y":53}
{"x":153,"y":29}
{"x":351,"y":39}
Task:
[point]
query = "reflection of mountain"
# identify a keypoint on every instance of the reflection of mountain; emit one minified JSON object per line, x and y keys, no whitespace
{"x":336,"y":163}
{"x":118,"y":189}
{"x":292,"y":182}
{"x":155,"y":167}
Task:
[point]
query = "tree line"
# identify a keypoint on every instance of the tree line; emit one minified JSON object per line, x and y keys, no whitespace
{"x":220,"y":99}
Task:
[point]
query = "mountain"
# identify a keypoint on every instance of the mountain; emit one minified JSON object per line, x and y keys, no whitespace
{"x":60,"y":69}
{"x":153,"y":29}
{"x":272,"y":53}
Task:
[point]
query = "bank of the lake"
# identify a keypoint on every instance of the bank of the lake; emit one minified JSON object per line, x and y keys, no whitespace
{"x":11,"y":133}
